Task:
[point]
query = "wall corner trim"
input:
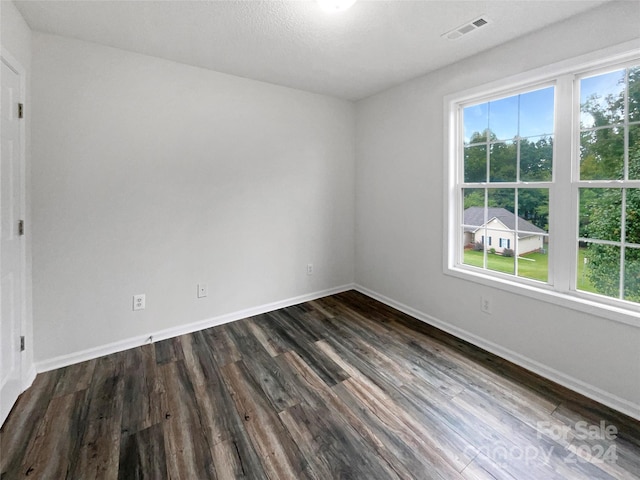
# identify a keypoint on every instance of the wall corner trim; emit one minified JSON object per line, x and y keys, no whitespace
{"x":29,"y":376}
{"x":91,"y":353}
{"x":620,"y":404}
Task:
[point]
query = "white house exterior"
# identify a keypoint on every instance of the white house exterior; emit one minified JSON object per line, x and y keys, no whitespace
{"x":499,"y":232}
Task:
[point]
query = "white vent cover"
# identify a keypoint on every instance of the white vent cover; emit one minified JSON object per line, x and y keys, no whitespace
{"x":466,"y":28}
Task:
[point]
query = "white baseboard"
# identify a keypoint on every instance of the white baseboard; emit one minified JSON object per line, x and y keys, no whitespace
{"x":628,"y":408}
{"x":91,"y":353}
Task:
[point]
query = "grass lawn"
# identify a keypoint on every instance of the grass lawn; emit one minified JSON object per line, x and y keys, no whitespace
{"x":531,"y":265}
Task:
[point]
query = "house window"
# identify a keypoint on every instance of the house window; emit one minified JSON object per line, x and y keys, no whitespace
{"x":553,"y":168}
{"x":505,"y":243}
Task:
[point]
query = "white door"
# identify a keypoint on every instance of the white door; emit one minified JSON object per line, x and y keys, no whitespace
{"x":12,"y":243}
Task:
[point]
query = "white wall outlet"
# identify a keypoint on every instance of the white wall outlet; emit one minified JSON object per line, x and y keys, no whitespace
{"x":485,"y":304}
{"x":309,"y":268}
{"x":202,"y":290}
{"x":139,"y":302}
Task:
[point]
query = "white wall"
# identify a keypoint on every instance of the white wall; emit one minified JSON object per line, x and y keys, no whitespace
{"x":151,"y":176}
{"x":399,"y":200}
{"x":15,"y":37}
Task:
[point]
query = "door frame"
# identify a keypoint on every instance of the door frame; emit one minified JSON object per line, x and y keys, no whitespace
{"x":27,"y":371}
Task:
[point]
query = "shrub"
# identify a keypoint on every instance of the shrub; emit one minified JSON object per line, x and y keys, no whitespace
{"x":478,"y":247}
{"x":492,"y":250}
{"x":507,"y":252}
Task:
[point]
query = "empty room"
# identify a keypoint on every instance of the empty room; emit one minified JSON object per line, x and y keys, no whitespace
{"x":320,"y":239}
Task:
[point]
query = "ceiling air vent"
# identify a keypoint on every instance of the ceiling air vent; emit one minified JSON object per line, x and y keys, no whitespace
{"x":466,"y":28}
{"x":480,"y":22}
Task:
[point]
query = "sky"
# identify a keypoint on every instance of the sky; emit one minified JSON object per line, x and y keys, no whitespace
{"x":531,"y":114}
{"x":527,"y":115}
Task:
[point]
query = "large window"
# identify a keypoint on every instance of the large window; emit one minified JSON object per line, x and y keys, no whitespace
{"x":507,"y":170}
{"x":609,"y":197}
{"x":551,"y":172}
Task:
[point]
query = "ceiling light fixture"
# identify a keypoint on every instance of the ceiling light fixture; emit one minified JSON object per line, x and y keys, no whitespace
{"x":332,"y":6}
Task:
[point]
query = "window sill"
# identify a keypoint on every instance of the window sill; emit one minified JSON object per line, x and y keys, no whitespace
{"x":545,"y":293}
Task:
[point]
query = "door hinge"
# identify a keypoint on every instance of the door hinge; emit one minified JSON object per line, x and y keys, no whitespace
{"x":22,"y":344}
{"x":20,"y":110}
{"x":21,"y":227}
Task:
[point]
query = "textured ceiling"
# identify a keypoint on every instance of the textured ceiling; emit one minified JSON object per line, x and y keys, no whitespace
{"x":352,"y":54}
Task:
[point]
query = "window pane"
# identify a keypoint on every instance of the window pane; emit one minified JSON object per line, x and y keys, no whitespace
{"x":473,"y":220}
{"x":475,"y":164}
{"x":634,"y":150}
{"x":600,"y":99}
{"x":497,"y":262}
{"x":476,"y":122}
{"x":534,"y":265}
{"x":632,"y":225}
{"x":473,"y":226}
{"x":503,"y":118}
{"x":600,"y":213}
{"x":602,"y":154}
{"x":584,"y":281}
{"x":536,"y":159}
{"x":473,"y":197}
{"x":500,"y":227}
{"x":503,"y":162}
{"x":533,"y":220}
{"x":500,"y":199}
{"x":634,"y":94}
{"x":632,"y":274}
{"x":533,"y":211}
{"x":536,"y":113}
{"x":601,"y":268}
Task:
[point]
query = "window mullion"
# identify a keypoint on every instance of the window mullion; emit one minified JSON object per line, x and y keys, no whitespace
{"x":563,"y":216}
{"x":623,"y":237}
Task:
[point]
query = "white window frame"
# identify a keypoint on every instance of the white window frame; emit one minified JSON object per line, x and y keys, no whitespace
{"x":563,"y":201}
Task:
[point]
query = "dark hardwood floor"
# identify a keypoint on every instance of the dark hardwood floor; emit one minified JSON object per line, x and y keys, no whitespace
{"x":341,"y":387}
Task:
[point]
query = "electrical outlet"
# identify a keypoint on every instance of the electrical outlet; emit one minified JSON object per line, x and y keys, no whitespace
{"x":139,"y":302}
{"x":309,"y":268}
{"x":202,"y":290}
{"x":485,"y":304}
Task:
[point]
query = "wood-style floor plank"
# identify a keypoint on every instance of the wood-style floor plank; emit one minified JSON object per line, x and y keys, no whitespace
{"x":321,"y":397}
{"x":277,"y":451}
{"x":188,"y":452}
{"x":19,"y":430}
{"x":142,"y":455}
{"x":265,"y":371}
{"x":47,"y":456}
{"x":342,"y":387}
{"x":98,"y":456}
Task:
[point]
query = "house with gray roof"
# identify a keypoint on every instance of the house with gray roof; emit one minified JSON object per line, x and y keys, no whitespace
{"x":498,"y":230}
